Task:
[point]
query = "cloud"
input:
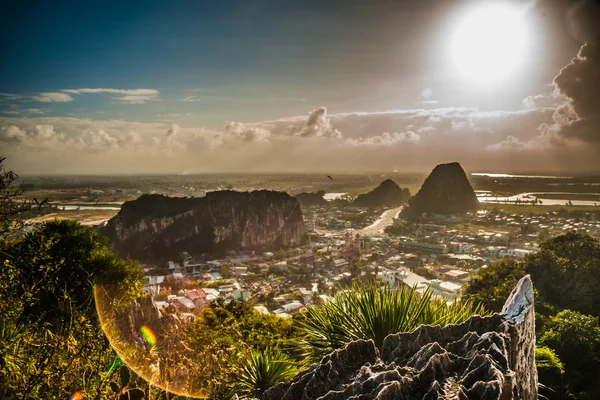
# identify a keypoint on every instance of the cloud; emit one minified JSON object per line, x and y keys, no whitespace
{"x":318,"y":124}
{"x":11,"y":112}
{"x":243,"y":132}
{"x":131,"y":92}
{"x":578,"y":118}
{"x":53,"y":97}
{"x":34,"y":111}
{"x":11,"y":97}
{"x":135,"y":99}
{"x":11,"y":133}
{"x":130,"y":96}
{"x":191,"y":98}
{"x":406,"y":140}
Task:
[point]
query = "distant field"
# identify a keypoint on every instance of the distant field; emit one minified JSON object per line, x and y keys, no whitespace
{"x":85,"y":217}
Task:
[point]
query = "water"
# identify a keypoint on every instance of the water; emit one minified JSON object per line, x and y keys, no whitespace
{"x":528,"y":197}
{"x":333,"y":196}
{"x":519,"y":176}
{"x":71,"y":207}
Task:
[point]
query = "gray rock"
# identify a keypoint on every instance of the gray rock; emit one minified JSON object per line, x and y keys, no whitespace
{"x":487,"y":358}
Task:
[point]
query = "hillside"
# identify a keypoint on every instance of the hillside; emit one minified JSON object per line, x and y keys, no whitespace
{"x":154,"y":227}
{"x":387,"y":194}
{"x":445,"y":191}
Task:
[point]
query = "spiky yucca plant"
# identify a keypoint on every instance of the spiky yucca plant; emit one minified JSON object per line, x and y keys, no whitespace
{"x":371,"y":312}
{"x":259,"y":370}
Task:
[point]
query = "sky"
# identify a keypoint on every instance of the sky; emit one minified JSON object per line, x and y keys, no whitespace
{"x":297,"y":86}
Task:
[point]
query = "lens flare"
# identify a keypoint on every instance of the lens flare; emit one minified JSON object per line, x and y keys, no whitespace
{"x":77,"y":396}
{"x":154,"y":346}
{"x":148,"y":335}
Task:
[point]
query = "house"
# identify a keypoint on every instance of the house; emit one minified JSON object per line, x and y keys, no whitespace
{"x":339,"y":263}
{"x":429,"y":248}
{"x":184,"y":304}
{"x":261,"y":309}
{"x":514,"y":253}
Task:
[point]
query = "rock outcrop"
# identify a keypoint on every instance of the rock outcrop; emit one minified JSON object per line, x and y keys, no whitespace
{"x":387,"y":194}
{"x":445,"y":191}
{"x":311,"y":199}
{"x":156,"y":227}
{"x":491,"y":358}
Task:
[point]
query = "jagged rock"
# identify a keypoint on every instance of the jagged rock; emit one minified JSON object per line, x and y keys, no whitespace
{"x":311,"y":199}
{"x":387,"y":194}
{"x":155,"y":227}
{"x":445,"y":191}
{"x":486,"y":358}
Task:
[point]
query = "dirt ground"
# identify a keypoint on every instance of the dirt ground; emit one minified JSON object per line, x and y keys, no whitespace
{"x":85,"y":217}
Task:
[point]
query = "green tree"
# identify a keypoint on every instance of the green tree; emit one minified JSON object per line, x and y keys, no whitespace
{"x":12,"y":203}
{"x":550,"y":372}
{"x":492,"y":286}
{"x":566,"y":272}
{"x":575,"y":338}
{"x":53,"y":341}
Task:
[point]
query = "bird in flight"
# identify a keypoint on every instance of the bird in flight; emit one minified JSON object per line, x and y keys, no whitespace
{"x":330,"y":177}
{"x":45,"y":201}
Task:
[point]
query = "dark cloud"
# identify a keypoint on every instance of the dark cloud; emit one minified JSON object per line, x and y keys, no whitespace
{"x":579,"y":117}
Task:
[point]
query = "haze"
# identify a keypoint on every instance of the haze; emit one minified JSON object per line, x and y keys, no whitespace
{"x":271,"y":86}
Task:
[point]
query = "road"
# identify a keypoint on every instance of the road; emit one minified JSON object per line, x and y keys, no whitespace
{"x":377,"y":227}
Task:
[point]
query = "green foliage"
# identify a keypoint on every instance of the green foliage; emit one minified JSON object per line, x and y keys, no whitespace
{"x":492,"y":286}
{"x":566,"y":272}
{"x":223,"y":336}
{"x":575,"y":338}
{"x":12,"y":203}
{"x":371,"y":312}
{"x":260,"y":370}
{"x":52,"y":343}
{"x":550,"y":372}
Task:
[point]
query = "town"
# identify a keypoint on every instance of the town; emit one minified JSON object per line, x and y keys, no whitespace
{"x":438,"y":252}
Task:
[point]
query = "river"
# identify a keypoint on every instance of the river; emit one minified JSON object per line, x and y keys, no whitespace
{"x":528,"y":197}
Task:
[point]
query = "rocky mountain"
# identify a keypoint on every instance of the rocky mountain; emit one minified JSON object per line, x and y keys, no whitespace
{"x":388,"y":193}
{"x":484,"y":358}
{"x":311,"y":199}
{"x":445,"y":191}
{"x":154,"y":227}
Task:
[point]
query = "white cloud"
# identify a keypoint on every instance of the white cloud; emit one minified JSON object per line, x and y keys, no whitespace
{"x":191,"y":98}
{"x":407,"y":140}
{"x":53,"y":97}
{"x":131,"y":92}
{"x":34,"y":111}
{"x":131,"y":99}
{"x":11,"y":112}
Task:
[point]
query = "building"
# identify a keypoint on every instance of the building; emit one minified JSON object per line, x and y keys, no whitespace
{"x":430,"y":248}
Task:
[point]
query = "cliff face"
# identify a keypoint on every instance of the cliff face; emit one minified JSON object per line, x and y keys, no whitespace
{"x":388,"y":193}
{"x":491,"y":358}
{"x":311,"y":199}
{"x":154,"y":226}
{"x":445,"y":191}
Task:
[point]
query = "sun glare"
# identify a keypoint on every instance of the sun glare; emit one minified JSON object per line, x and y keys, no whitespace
{"x":489,"y":42}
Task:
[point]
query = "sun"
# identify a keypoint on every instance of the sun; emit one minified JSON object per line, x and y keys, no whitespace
{"x":489,"y":43}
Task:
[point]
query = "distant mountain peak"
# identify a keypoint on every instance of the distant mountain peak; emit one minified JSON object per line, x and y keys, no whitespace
{"x":388,"y":193}
{"x":446,"y":190}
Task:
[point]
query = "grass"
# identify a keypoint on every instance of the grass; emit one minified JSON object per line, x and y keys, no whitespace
{"x":371,"y":312}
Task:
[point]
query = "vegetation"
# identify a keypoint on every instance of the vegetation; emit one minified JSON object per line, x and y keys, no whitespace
{"x":371,"y":312}
{"x":566,"y":275}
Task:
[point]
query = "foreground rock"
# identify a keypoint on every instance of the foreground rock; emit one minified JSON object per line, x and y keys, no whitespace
{"x":483,"y":358}
{"x":155,"y":227}
{"x":387,"y":194}
{"x":445,"y":191}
